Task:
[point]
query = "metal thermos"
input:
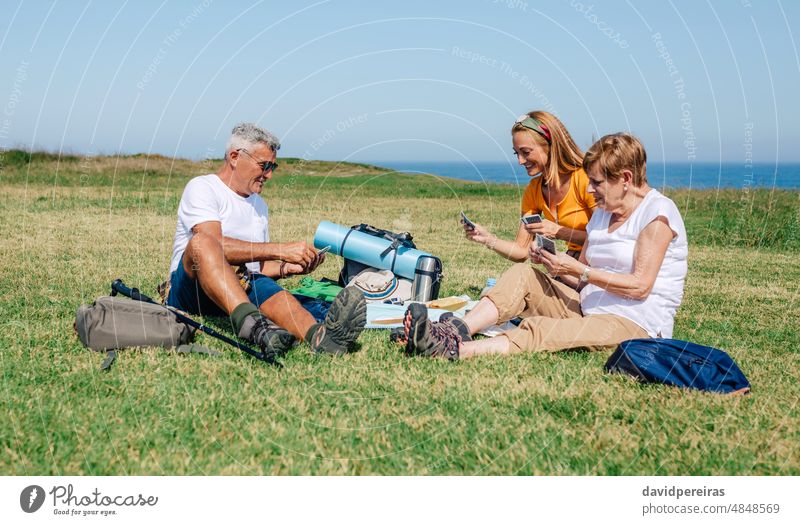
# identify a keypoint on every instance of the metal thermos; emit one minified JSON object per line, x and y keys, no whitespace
{"x":425,"y":287}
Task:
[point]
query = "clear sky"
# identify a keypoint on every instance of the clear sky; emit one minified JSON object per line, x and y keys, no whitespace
{"x":411,"y":80}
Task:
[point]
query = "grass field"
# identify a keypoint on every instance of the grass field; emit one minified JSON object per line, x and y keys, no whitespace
{"x":71,"y":226}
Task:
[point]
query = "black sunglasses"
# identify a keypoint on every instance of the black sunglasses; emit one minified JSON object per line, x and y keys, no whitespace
{"x":265,"y":166}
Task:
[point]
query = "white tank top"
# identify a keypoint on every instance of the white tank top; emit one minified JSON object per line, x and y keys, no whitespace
{"x":613,"y":252}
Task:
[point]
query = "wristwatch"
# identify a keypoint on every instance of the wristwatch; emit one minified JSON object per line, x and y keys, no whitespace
{"x":585,"y":274}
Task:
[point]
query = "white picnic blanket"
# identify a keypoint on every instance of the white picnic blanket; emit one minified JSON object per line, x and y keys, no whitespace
{"x":385,"y":313}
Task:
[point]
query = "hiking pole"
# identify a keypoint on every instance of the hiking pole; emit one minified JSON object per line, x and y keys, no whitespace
{"x":119,"y":287}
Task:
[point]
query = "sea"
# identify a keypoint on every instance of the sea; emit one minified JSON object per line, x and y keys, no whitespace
{"x":700,"y":176}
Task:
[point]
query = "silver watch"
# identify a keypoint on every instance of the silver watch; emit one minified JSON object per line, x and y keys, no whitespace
{"x":585,"y":274}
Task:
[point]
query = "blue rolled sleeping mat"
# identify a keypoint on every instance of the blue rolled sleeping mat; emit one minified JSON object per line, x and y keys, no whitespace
{"x":410,"y":263}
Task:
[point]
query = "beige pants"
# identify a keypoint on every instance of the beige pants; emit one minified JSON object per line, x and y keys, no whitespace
{"x":551,"y":312}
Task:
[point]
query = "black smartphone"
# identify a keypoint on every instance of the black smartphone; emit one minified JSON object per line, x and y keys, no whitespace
{"x":545,"y":243}
{"x":467,"y":222}
{"x":531,"y":219}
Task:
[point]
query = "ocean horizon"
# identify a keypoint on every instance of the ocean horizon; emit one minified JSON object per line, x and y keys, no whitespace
{"x":697,"y":175}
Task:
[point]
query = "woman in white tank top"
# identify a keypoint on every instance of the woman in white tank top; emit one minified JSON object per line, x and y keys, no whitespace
{"x":627,"y":283}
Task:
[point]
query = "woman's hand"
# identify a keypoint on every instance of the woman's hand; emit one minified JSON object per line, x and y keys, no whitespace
{"x":546,"y":228}
{"x":533,"y":254}
{"x":559,"y":264}
{"x":478,"y":234}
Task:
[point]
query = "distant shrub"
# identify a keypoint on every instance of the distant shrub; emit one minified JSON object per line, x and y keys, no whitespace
{"x":18,"y":157}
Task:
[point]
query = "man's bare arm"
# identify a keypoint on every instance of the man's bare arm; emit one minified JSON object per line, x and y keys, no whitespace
{"x":240,"y":252}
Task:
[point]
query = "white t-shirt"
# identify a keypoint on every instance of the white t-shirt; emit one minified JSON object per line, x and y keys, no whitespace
{"x":207,"y":198}
{"x":613,"y":252}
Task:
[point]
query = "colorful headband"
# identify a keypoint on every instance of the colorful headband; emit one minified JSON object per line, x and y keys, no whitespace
{"x":535,"y":125}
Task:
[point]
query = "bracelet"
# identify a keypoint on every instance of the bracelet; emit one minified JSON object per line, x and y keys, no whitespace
{"x":282,"y":270}
{"x":585,"y":275}
{"x":491,"y":244}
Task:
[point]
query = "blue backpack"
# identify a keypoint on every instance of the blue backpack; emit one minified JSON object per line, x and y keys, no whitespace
{"x":678,"y":363}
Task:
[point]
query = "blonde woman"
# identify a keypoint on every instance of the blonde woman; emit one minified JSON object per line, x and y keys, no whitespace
{"x":558,"y":190}
{"x":627,"y":283}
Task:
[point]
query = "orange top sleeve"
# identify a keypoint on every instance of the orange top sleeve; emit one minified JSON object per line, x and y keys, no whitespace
{"x":574,"y":211}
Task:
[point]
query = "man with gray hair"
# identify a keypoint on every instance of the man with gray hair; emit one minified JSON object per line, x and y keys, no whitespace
{"x":223,"y":222}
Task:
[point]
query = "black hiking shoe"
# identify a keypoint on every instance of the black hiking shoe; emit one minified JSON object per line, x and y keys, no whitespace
{"x":429,"y":339}
{"x":398,"y":336}
{"x":343,"y":324}
{"x":273,"y":340}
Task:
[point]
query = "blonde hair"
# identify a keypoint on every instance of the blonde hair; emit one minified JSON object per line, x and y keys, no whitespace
{"x":618,"y":152}
{"x":563,"y":155}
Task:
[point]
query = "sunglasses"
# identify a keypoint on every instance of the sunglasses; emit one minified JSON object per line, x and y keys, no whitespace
{"x":265,"y":166}
{"x":534,"y":125}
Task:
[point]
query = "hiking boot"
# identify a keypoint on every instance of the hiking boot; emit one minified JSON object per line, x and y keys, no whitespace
{"x":457,"y":323}
{"x":429,"y":339}
{"x":343,"y":324}
{"x":273,"y":340}
{"x":398,"y":335}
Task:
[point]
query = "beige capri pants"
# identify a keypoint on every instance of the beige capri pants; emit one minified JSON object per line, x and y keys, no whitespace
{"x":551,"y":312}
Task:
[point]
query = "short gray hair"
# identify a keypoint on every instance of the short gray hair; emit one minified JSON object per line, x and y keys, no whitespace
{"x":247,"y":135}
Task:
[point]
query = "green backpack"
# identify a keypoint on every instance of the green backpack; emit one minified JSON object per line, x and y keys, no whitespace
{"x":114,"y":323}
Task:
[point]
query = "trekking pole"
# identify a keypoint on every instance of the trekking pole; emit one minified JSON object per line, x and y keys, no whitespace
{"x":119,"y":287}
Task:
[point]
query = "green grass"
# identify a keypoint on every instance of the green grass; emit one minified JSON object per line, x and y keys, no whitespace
{"x":71,"y":226}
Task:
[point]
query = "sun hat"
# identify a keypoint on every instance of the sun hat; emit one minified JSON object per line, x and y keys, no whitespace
{"x":381,"y":285}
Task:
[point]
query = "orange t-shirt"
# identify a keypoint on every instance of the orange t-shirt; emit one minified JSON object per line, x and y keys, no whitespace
{"x":574,"y":210}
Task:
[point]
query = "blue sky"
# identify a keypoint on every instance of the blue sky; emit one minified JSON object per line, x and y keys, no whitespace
{"x":697,"y":81}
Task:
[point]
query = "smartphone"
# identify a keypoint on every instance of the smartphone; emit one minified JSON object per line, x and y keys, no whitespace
{"x":545,"y":243}
{"x":531,"y":219}
{"x":467,"y":222}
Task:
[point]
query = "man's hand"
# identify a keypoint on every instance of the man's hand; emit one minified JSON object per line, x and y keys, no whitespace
{"x":296,"y":269}
{"x":299,"y":253}
{"x":546,"y":228}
